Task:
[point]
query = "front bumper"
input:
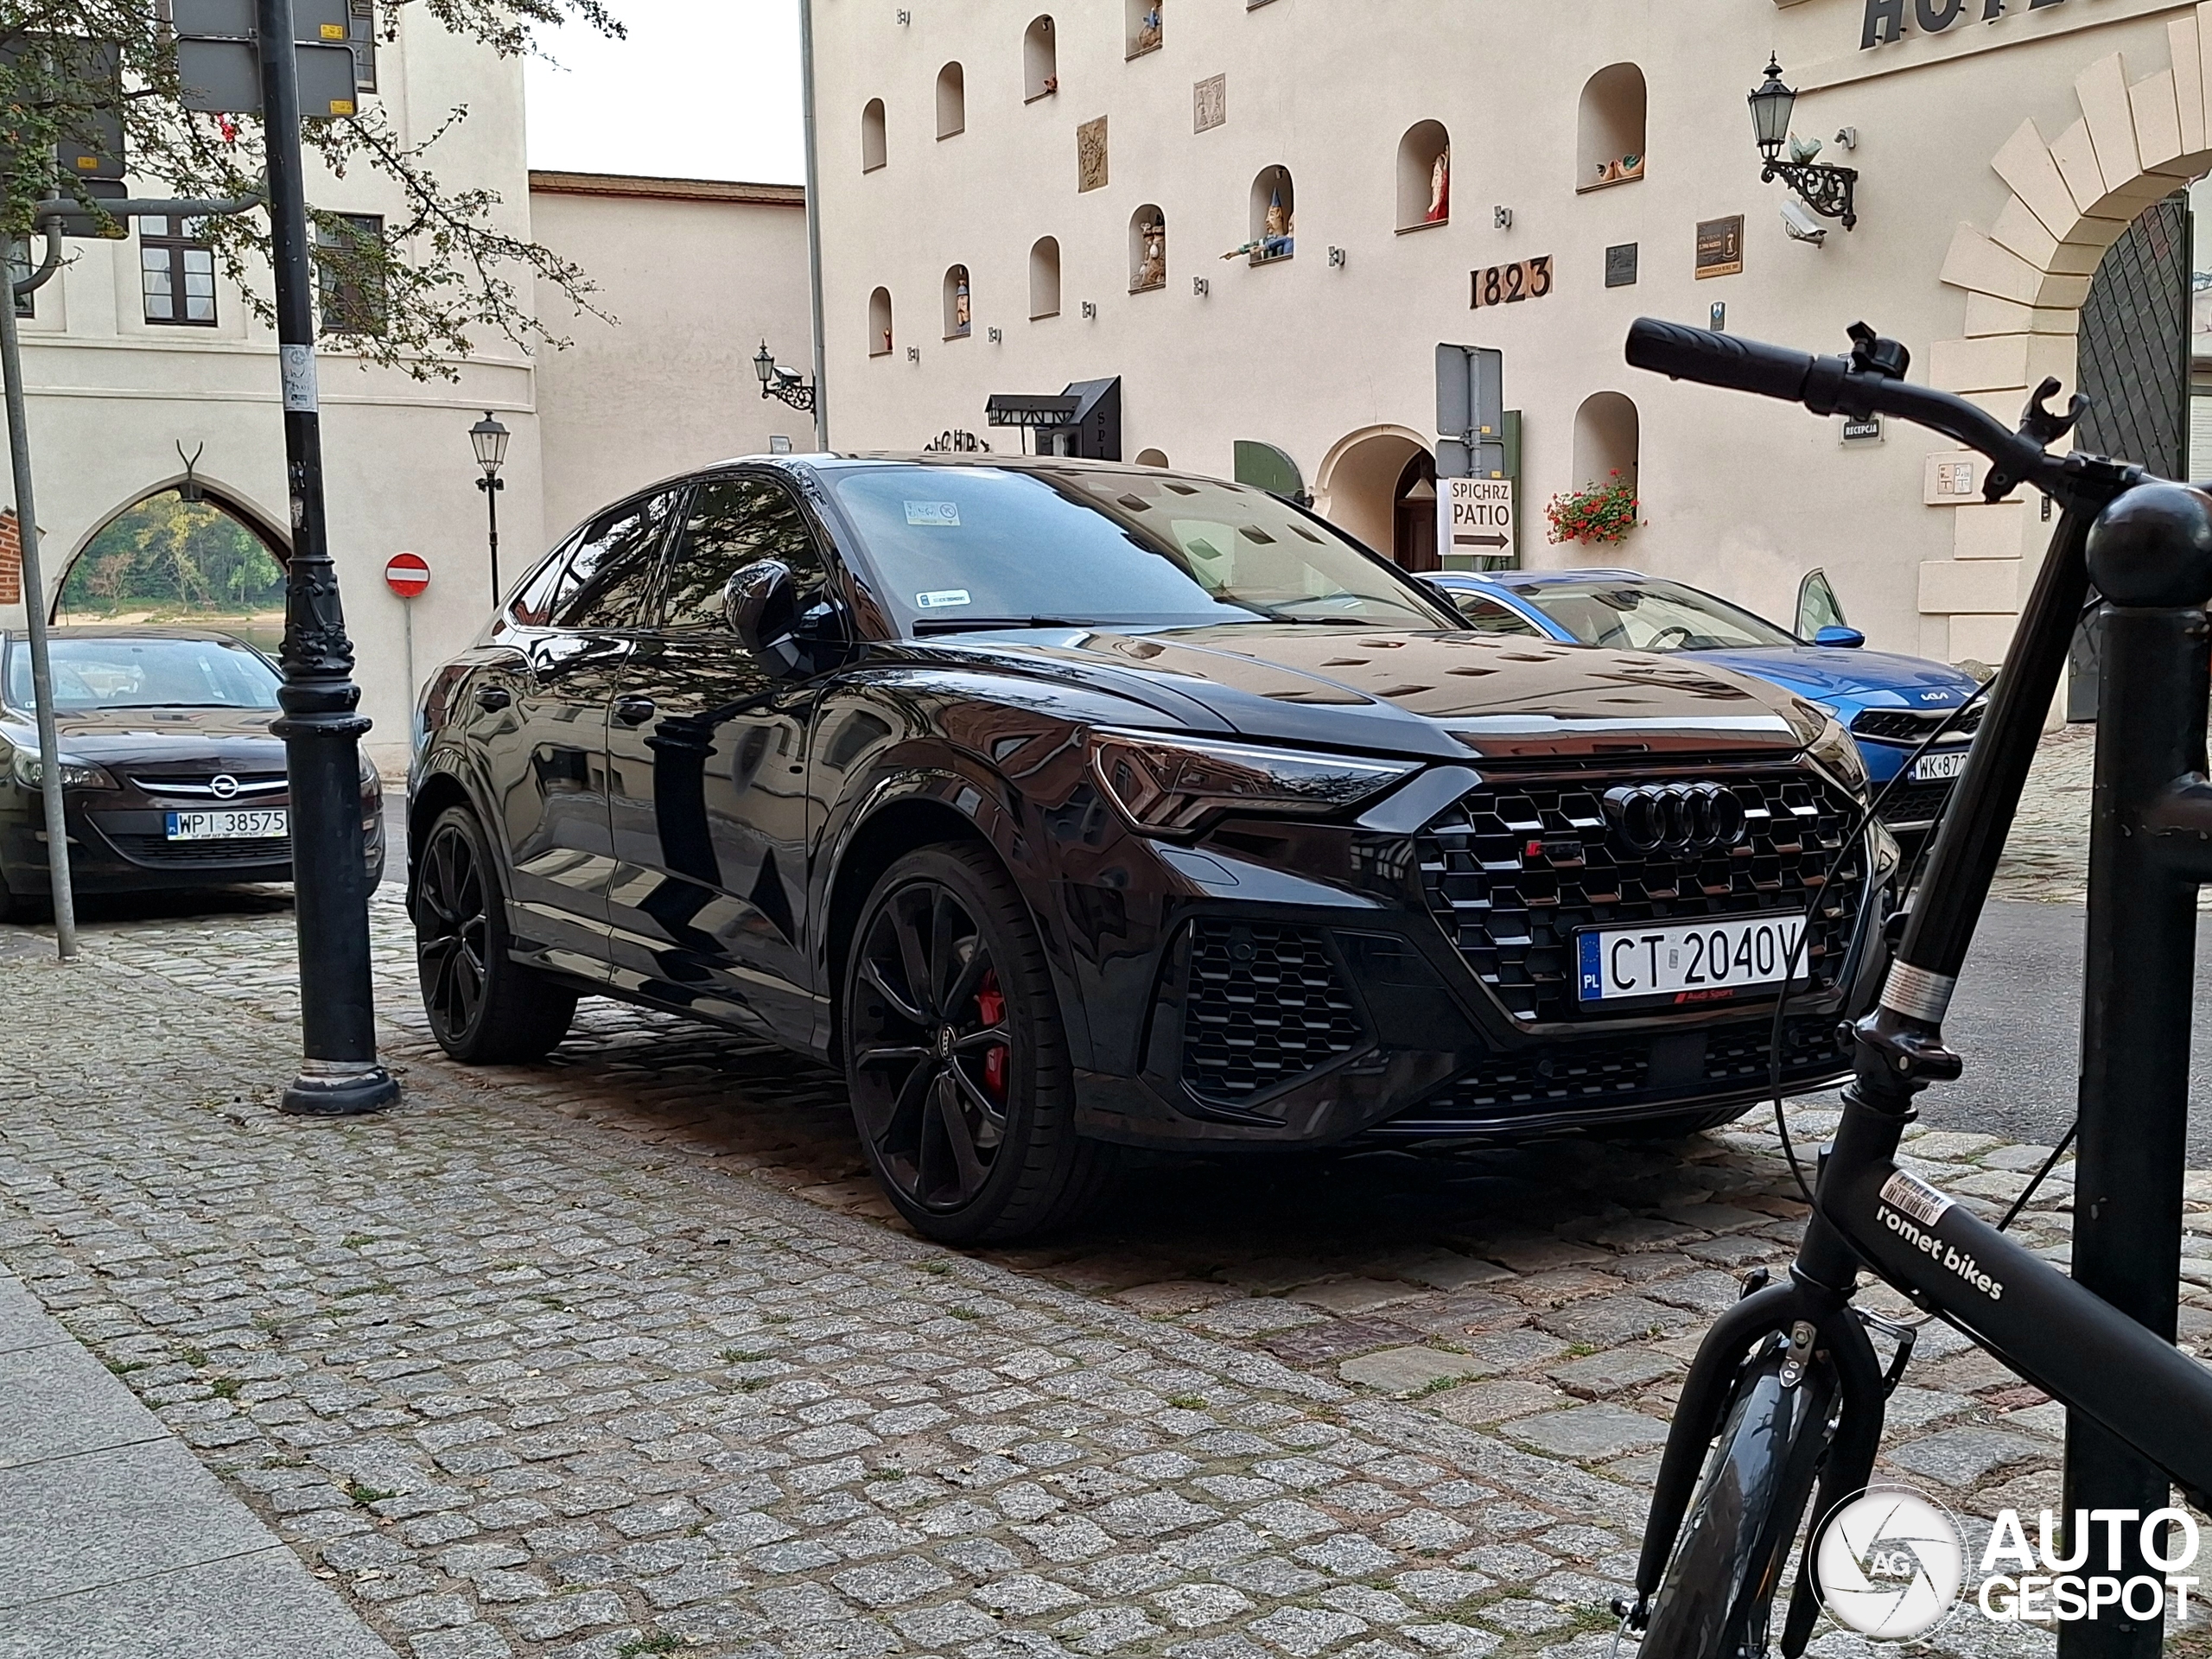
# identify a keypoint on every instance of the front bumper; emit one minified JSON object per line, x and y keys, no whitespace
{"x":122,"y":847}
{"x":1285,"y":1010}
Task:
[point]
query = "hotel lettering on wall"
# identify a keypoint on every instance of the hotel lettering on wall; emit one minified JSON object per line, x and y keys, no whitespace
{"x":1885,"y":19}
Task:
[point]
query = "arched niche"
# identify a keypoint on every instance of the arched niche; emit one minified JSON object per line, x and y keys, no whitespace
{"x":1040,"y":60}
{"x":1143,"y":18}
{"x":1607,"y":437}
{"x":1045,"y":278}
{"x":959,"y":303}
{"x":212,"y":562}
{"x":879,"y":323}
{"x":1148,"y":250}
{"x":1274,"y":222}
{"x":1152,"y":458}
{"x":1424,"y":176}
{"x":951,"y":101}
{"x":1609,"y":141}
{"x":874,"y":144}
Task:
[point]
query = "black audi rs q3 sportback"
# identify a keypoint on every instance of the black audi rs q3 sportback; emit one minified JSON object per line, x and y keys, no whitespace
{"x":1071,"y":806}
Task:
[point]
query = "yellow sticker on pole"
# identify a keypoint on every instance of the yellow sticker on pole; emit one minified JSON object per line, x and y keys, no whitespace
{"x":333,"y":31}
{"x":341,"y":106}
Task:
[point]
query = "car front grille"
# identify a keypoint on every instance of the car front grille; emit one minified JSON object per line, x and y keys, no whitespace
{"x":1267,"y":1003}
{"x":1517,"y":865}
{"x":255,"y":787}
{"x":1915,"y":804}
{"x":1911,"y":725}
{"x":1615,"y":1075}
{"x":158,"y":852}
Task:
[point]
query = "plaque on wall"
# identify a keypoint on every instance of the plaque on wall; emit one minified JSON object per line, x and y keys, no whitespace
{"x":1210,"y":104}
{"x":1091,"y":157}
{"x":1720,"y":246}
{"x":1620,"y":265}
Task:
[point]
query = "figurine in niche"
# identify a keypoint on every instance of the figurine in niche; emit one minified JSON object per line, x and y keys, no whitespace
{"x":1440,"y":187}
{"x":887,"y":342}
{"x":1277,"y":239}
{"x":1149,"y":34}
{"x":1152,"y":269}
{"x":1051,"y":84}
{"x":1631,"y":167}
{"x":960,"y":319}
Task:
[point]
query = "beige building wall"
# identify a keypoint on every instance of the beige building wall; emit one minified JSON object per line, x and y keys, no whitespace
{"x":1974,"y":243}
{"x":695,"y":275}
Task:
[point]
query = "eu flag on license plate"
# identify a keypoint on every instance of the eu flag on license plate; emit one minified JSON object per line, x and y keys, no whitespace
{"x":1592,"y":984}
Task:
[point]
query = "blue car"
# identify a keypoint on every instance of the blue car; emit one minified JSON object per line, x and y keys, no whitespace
{"x":1890,"y":703}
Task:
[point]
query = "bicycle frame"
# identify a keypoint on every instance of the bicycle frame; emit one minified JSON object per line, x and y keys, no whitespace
{"x":2109,"y":1368}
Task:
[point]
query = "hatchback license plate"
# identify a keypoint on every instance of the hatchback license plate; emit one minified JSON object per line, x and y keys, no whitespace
{"x":231,"y":824}
{"x":1934,"y":768}
{"x":1686,"y":961}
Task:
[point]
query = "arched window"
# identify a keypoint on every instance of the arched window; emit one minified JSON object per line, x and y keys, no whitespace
{"x":1045,"y":278}
{"x":959,"y":320}
{"x":1151,"y":457}
{"x":1040,"y":61}
{"x":1144,"y":32}
{"x":879,"y":323}
{"x":1607,"y":434}
{"x":875,"y":149}
{"x":1148,"y":250}
{"x":951,"y":101}
{"x":1609,"y":147}
{"x":1274,"y":217}
{"x":205,"y":563}
{"x":1424,"y":176}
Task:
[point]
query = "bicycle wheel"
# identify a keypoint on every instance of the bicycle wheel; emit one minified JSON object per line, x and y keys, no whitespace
{"x":1717,"y":1598}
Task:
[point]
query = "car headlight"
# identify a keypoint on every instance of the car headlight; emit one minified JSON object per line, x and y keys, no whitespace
{"x":1173,"y":786}
{"x":30,"y":772}
{"x":1836,"y":753}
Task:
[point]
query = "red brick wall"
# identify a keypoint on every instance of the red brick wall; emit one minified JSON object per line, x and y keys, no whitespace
{"x":11,"y":559}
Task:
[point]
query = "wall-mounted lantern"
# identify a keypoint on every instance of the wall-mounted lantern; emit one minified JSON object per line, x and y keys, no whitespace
{"x":787,"y":385}
{"x":1826,"y":189}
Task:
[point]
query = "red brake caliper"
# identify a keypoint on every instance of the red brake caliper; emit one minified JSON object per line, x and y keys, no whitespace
{"x":990,"y":1005}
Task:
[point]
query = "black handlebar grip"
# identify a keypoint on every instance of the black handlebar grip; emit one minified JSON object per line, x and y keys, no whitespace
{"x":1686,"y":353}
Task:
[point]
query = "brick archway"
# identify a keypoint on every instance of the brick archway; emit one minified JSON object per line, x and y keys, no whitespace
{"x":2025,"y":278}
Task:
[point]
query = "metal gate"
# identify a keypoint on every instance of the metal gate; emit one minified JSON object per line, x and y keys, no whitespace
{"x":2133,"y":362}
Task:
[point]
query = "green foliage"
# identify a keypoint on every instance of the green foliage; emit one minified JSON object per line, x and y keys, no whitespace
{"x":169,"y":557}
{"x":445,"y":270}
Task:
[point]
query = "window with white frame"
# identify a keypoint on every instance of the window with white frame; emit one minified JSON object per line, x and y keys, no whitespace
{"x":176,"y":271}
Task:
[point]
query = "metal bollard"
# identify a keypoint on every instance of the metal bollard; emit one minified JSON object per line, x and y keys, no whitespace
{"x":2150,"y":846}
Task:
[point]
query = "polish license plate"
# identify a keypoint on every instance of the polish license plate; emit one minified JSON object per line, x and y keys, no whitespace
{"x":228,"y":825}
{"x":1934,"y":768}
{"x":1685,"y":962}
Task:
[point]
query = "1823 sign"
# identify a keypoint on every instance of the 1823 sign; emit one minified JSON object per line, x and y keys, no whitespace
{"x":1885,"y":19}
{"x":1524,"y":279}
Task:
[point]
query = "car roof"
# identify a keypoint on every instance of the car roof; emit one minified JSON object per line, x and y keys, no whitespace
{"x":838,"y":461}
{"x":126,"y":631}
{"x":1540,"y":578}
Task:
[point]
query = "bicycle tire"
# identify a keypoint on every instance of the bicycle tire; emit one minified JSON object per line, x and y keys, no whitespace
{"x":1716,"y":1600}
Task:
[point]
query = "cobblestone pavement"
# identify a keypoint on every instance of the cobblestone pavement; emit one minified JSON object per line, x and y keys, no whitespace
{"x":2047,"y":856}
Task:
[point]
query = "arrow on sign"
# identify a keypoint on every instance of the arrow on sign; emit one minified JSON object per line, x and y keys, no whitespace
{"x":1478,"y":540}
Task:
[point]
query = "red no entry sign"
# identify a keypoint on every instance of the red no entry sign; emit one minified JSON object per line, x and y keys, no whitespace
{"x":408,"y":573}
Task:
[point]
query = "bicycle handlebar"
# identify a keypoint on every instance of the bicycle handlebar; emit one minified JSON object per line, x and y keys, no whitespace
{"x":1867,"y":383}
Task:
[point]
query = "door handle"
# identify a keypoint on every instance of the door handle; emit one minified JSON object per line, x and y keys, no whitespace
{"x":492,"y":698}
{"x":635,"y":711}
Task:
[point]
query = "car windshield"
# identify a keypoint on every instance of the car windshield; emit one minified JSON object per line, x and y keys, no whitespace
{"x":124,"y":673}
{"x":984,"y":546}
{"x":1649,"y":615}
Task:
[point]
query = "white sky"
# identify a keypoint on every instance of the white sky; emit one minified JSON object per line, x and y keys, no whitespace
{"x":700,"y":89}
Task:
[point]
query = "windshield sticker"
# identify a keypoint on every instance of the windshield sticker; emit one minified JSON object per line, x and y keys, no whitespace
{"x":935,"y":513}
{"x":943,"y":598}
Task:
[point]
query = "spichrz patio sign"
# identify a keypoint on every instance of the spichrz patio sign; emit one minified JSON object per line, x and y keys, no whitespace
{"x":1885,"y":18}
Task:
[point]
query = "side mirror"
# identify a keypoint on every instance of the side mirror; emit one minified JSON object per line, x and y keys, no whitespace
{"x":761,"y":602}
{"x":1839,"y":638}
{"x":1443,"y":596}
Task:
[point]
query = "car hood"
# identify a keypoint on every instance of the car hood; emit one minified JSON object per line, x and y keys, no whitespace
{"x":1876,"y":678}
{"x":225,"y":738}
{"x":1444,"y":693}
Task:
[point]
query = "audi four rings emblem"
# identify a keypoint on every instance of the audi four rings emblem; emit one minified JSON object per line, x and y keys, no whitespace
{"x":1675,"y":818}
{"x":222,"y":786}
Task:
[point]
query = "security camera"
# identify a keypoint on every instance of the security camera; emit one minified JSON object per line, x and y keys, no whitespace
{"x":1798,"y":219}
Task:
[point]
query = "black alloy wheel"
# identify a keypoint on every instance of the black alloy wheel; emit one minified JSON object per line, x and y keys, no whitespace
{"x":956,"y":1057}
{"x":483,"y":1008}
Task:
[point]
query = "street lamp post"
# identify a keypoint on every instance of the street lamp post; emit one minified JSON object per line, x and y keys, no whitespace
{"x":489,"y":439}
{"x":1828,"y":190}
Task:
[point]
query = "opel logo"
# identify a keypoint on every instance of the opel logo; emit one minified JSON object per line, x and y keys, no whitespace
{"x":222,"y":786}
{"x":1675,"y":817}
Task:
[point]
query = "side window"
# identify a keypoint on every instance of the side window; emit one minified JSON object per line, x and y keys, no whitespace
{"x":1488,"y":616}
{"x":732,"y":522}
{"x":1817,"y":605}
{"x":532,"y":606}
{"x":615,"y":564}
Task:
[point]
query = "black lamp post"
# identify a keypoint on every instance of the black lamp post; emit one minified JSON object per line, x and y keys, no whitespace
{"x":489,"y":439}
{"x":1826,"y":189}
{"x":789,"y":385}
